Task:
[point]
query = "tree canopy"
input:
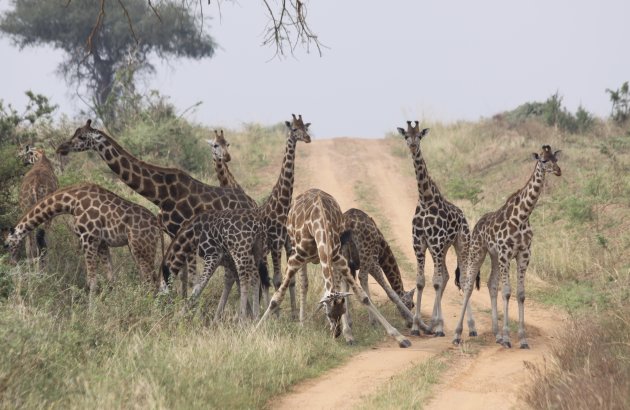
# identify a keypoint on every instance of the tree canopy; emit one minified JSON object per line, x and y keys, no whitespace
{"x":101,"y":41}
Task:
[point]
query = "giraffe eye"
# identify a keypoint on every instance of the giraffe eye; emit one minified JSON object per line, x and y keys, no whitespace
{"x":216,"y":145}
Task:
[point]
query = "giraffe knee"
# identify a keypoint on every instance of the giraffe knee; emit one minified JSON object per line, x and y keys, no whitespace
{"x":521,"y":296}
{"x":365,"y":300}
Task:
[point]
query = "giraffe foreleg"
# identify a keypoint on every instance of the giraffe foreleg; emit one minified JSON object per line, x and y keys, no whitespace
{"x":418,"y":324}
{"x":294,"y":263}
{"x":363,"y":279}
{"x":303,"y":292}
{"x":504,"y":271}
{"x":522,"y":260}
{"x":346,"y":318}
{"x":493,"y":289}
{"x":211,"y":262}
{"x":91,"y":252}
{"x":378,"y":275}
{"x":229,"y":277}
{"x":342,"y":265}
{"x":440,"y":279}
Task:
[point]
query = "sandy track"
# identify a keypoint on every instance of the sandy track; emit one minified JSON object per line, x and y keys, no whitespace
{"x":490,"y":379}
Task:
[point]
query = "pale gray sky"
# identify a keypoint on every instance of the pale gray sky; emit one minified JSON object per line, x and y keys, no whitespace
{"x":388,"y":61}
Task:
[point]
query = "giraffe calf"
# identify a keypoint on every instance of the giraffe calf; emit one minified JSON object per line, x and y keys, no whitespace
{"x":233,"y":238}
{"x":102,"y":220}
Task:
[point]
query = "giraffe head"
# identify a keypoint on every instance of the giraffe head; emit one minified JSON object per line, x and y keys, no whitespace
{"x":12,"y":242}
{"x":219,"y":147}
{"x":298,"y":130}
{"x":407,"y":298}
{"x":549,"y":160}
{"x":84,"y":138}
{"x":413,"y":135}
{"x":29,"y":155}
{"x":334,"y":306}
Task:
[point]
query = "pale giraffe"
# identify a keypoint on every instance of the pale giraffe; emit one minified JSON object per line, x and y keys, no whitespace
{"x":375,"y":257}
{"x":232,"y":238}
{"x":506,"y":234}
{"x":38,"y":182}
{"x":102,"y":220}
{"x":314,"y":223}
{"x":436,"y":225}
{"x":178,"y":195}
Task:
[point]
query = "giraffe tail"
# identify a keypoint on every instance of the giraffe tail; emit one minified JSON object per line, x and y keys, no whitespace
{"x":263,"y":272}
{"x":40,"y":238}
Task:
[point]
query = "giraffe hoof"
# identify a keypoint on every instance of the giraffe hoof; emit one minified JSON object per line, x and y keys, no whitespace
{"x":350,"y":342}
{"x":415,"y":332}
{"x":524,"y":346}
{"x":404,"y":343}
{"x":429,"y":332}
{"x":507,"y":344}
{"x":472,"y":333}
{"x":457,"y":341}
{"x":439,"y":334}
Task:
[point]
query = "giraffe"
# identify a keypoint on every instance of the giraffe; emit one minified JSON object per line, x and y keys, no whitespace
{"x":178,"y":195}
{"x":314,"y":222}
{"x":102,"y":220}
{"x":437,"y":224}
{"x":235,"y":238}
{"x":275,"y":208}
{"x":38,"y":182}
{"x":506,"y":234}
{"x":376,"y":258}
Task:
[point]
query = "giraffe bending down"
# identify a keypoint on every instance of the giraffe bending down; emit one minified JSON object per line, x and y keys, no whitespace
{"x":314,"y":224}
{"x":232,"y":238}
{"x":102,"y":220}
{"x":506,"y":234}
{"x":178,"y":195}
{"x":38,"y":182}
{"x":376,"y":258}
{"x":275,"y":208}
{"x":436,"y":225}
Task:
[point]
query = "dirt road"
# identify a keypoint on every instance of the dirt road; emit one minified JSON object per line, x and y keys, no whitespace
{"x":489,"y":379}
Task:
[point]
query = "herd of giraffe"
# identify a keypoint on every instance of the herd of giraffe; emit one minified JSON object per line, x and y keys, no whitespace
{"x":226,"y":227}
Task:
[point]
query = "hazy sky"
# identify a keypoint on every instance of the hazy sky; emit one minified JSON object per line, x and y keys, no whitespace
{"x":388,"y":61}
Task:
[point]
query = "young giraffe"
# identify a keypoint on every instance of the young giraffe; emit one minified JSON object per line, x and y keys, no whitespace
{"x":506,"y":234}
{"x":38,"y":182}
{"x":178,"y":195}
{"x":436,"y":225}
{"x":232,"y":238}
{"x":376,"y":258}
{"x":102,"y":220}
{"x":314,"y":224}
{"x":275,"y":208}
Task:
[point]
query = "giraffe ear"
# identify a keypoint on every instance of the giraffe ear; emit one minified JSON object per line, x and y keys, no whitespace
{"x":535,"y":156}
{"x":401,"y":131}
{"x":555,"y":154}
{"x":424,"y":132}
{"x":308,"y":124}
{"x":288,"y":124}
{"x":88,"y":123}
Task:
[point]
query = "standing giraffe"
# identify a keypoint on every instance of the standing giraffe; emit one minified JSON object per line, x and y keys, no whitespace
{"x":38,"y":182}
{"x":506,"y":234}
{"x":102,"y":220}
{"x":178,"y":195}
{"x":232,"y":238}
{"x":314,"y":222}
{"x":376,"y":258}
{"x":275,"y":208}
{"x":436,"y":225}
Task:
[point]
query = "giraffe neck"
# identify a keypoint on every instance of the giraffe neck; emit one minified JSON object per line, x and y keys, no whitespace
{"x":136,"y":174}
{"x":280,"y":198}
{"x":529,"y":194}
{"x":388,"y":264}
{"x":63,"y":202}
{"x":225,"y":177}
{"x":426,"y":188}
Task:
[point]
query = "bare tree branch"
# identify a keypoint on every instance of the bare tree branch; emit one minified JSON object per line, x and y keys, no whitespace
{"x":129,"y":21}
{"x":97,"y":25}
{"x":155,"y":11}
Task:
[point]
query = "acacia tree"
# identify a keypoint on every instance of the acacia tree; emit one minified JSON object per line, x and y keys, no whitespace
{"x":99,"y":43}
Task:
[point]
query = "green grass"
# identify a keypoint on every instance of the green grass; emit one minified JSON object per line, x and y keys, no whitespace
{"x":409,"y":389}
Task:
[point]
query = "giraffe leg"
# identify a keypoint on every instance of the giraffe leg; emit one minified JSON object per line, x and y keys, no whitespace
{"x":493,"y":289}
{"x":504,"y":271}
{"x":377,"y":274}
{"x":91,"y":251}
{"x":363,"y":279}
{"x":468,"y":288}
{"x":440,"y":279}
{"x":346,"y":318}
{"x":342,"y":265}
{"x":211,"y":262}
{"x":304,"y":292}
{"x":522,"y":260}
{"x":228,"y":282}
{"x":294,"y":263}
{"x":105,"y":258}
{"x":418,"y":324}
